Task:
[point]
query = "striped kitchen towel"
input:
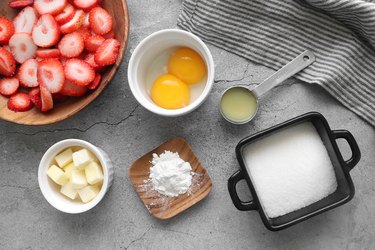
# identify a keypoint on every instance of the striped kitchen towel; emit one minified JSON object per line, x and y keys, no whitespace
{"x":341,"y":33}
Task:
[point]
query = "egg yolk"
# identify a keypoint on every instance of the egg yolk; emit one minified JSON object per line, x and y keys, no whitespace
{"x":187,"y":65}
{"x":170,"y":92}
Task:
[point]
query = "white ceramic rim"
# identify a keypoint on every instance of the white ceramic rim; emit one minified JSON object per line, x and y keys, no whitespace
{"x":42,"y":171}
{"x":172,"y":112}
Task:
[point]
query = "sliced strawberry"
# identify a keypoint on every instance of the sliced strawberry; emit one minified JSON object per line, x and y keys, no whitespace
{"x":74,"y":24}
{"x":89,"y":58}
{"x":27,"y":73}
{"x":52,"y":7}
{"x":22,"y":47}
{"x":85,"y":4}
{"x":86,"y":22}
{"x":70,"y":89}
{"x":48,"y":53}
{"x":7,"y":48}
{"x":20,"y":102}
{"x":63,"y":60}
{"x":108,"y":52}
{"x":36,"y":100}
{"x":25,"y":20}
{"x":51,"y":75}
{"x":58,"y":97}
{"x":46,"y":32}
{"x":34,"y":91}
{"x":71,"y":45}
{"x":93,"y":43}
{"x":9,"y":86}
{"x":111,"y":34}
{"x":18,"y":4}
{"x":85,"y":32}
{"x":95,"y":83}
{"x":100,"y":21}
{"x":66,"y":15}
{"x":6,"y":30}
{"x":7,"y":63}
{"x":47,"y":101}
{"x":79,"y":72}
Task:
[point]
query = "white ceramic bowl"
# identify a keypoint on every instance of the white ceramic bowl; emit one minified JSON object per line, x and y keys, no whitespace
{"x":51,"y":190}
{"x":149,"y":49}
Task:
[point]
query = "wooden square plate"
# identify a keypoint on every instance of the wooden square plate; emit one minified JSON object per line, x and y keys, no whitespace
{"x":160,"y":206}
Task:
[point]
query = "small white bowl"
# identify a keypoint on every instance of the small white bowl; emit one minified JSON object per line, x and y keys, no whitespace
{"x":150,"y":48}
{"x":51,"y":190}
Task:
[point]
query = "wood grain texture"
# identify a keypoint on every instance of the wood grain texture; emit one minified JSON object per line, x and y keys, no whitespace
{"x":119,"y":10}
{"x":160,"y":206}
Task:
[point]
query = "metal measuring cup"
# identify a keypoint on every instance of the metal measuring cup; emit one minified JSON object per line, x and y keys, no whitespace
{"x":293,"y":67}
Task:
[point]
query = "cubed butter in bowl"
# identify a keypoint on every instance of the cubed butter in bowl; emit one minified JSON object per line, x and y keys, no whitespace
{"x":74,"y":175}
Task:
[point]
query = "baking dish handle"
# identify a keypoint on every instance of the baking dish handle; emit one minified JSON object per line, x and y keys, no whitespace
{"x":238,"y":203}
{"x":356,"y":153}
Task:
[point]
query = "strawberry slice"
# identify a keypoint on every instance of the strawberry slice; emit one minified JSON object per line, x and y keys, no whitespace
{"x":20,"y":102}
{"x":79,"y":72}
{"x":85,"y":4}
{"x":100,"y":21}
{"x":18,"y":4}
{"x":66,"y":15}
{"x":22,"y":47}
{"x":74,"y":24}
{"x":46,"y":32}
{"x":52,"y":7}
{"x":71,"y":45}
{"x":93,"y":43}
{"x":36,"y":100}
{"x":34,"y":91}
{"x":85,"y":32}
{"x":108,"y":52}
{"x":111,"y":34}
{"x":48,"y":53}
{"x":9,"y":86}
{"x":89,"y":58}
{"x":6,"y":30}
{"x":51,"y":75}
{"x":7,"y":63}
{"x":86,"y":22}
{"x":27,"y":73}
{"x":96,"y":82}
{"x":47,"y":100}
{"x":25,"y":20}
{"x":70,"y":89}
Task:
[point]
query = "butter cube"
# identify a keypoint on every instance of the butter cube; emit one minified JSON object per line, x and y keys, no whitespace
{"x":68,"y":169}
{"x":88,"y":193}
{"x":64,"y":158}
{"x":78,"y":179}
{"x":93,"y":173}
{"x":69,"y":191}
{"x":57,"y":175}
{"x":82,"y":157}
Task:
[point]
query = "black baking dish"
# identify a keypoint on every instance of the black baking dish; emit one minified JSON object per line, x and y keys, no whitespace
{"x":345,"y":187}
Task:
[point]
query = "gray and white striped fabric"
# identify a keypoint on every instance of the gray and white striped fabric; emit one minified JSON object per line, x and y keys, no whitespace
{"x":341,"y":33}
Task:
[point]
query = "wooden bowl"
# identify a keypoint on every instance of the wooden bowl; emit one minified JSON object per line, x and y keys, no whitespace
{"x":119,"y":11}
{"x":163,"y":207}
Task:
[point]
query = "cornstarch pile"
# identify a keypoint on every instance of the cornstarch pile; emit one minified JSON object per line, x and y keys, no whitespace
{"x":290,"y":169}
{"x":170,"y":175}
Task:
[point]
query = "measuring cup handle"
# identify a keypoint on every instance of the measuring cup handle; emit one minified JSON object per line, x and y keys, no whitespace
{"x":356,"y":153}
{"x":293,"y":67}
{"x":238,"y":203}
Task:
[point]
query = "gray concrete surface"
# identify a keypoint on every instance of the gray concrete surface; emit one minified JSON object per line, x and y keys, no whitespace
{"x":126,"y":131}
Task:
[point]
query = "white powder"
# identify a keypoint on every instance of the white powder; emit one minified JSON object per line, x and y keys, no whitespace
{"x":170,"y":175}
{"x":290,"y":169}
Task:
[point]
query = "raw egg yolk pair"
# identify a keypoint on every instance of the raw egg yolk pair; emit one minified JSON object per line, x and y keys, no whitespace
{"x":171,"y":91}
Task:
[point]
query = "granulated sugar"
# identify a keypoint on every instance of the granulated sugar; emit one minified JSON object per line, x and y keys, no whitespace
{"x":290,"y":169}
